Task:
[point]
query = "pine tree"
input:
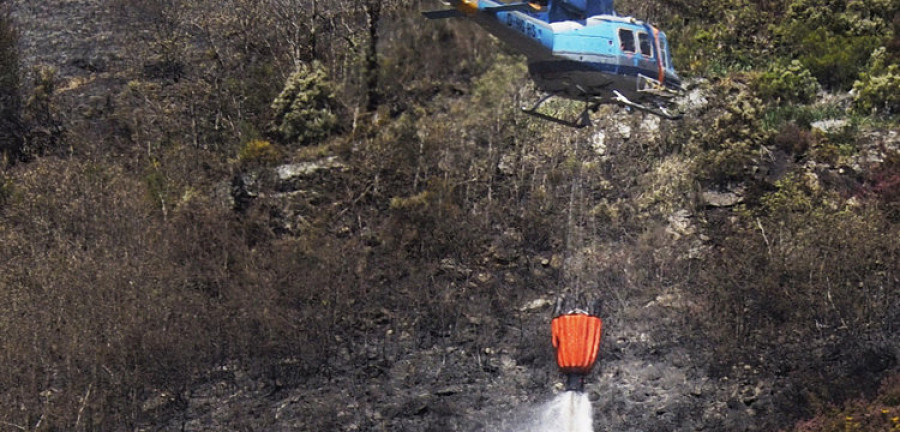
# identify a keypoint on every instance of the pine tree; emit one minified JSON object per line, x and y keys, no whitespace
{"x":305,"y":109}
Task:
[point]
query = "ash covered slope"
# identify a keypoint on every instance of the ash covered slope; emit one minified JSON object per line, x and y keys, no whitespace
{"x":184,"y":267}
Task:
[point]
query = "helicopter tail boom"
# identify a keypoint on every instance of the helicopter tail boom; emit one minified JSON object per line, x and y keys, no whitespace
{"x":443,"y":14}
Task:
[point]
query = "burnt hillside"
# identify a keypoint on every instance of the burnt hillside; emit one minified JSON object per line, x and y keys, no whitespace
{"x":331,"y":215}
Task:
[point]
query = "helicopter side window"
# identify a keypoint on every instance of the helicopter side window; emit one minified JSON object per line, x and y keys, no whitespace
{"x":626,"y":40}
{"x":646,"y":44}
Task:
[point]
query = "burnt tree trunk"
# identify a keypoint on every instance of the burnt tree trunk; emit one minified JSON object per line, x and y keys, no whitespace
{"x":11,"y":136}
{"x":373,"y":15}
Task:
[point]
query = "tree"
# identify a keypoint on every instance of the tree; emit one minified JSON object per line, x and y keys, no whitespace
{"x":305,"y":109}
{"x":11,"y":141}
{"x":373,"y":16}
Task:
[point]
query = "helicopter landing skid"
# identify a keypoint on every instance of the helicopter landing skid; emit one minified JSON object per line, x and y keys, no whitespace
{"x":584,"y":119}
{"x":659,"y":112}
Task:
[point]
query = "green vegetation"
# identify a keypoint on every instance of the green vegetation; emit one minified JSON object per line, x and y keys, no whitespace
{"x":835,"y":59}
{"x":791,"y":83}
{"x":729,"y":150}
{"x":258,"y":152}
{"x":305,"y":109}
{"x":878,"y":88}
{"x":833,"y":40}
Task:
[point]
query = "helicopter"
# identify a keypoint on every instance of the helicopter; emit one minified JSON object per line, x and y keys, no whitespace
{"x":582,"y":50}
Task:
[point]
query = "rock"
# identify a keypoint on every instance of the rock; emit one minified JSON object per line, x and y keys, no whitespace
{"x":598,"y":143}
{"x":653,"y":373}
{"x":650,"y":124}
{"x":624,"y":130}
{"x":694,"y":99}
{"x":93,"y":64}
{"x":453,"y":267}
{"x":556,"y":262}
{"x":244,"y":189}
{"x":290,"y":172}
{"x":507,"y":164}
{"x":830,"y":126}
{"x":722,"y":199}
{"x":157,"y":401}
{"x":536,"y":304}
{"x":680,"y":224}
{"x":510,"y":278}
{"x":483,"y":277}
{"x":506,"y":248}
{"x":666,"y":300}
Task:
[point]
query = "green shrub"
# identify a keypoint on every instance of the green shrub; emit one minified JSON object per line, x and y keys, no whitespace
{"x":834,"y":59}
{"x":732,"y":30}
{"x":834,"y":38}
{"x":803,"y":115}
{"x":728,"y":150}
{"x":305,"y":109}
{"x":878,"y":87}
{"x":850,"y":17}
{"x":792,"y":83}
{"x":258,"y":152}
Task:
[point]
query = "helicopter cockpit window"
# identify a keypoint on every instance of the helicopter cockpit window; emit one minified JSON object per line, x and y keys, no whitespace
{"x":626,"y":40}
{"x":646,"y":44}
{"x":665,"y":53}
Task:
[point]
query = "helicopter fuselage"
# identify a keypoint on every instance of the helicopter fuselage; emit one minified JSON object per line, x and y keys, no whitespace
{"x":583,"y":59}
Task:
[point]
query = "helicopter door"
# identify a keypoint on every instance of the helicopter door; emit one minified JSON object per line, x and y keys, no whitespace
{"x":646,"y":60}
{"x":645,"y":44}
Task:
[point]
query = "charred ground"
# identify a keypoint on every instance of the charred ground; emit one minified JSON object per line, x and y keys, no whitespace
{"x":195,"y":237}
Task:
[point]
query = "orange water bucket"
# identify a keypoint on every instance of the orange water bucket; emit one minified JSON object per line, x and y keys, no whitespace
{"x":576,"y":337}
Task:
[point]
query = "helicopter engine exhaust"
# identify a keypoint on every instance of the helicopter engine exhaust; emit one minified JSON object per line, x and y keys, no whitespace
{"x":576,"y":337}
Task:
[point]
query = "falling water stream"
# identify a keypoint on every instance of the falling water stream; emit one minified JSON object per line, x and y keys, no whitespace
{"x":568,"y":412}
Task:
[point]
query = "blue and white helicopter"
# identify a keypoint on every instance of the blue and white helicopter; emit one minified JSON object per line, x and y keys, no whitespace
{"x":582,"y":50}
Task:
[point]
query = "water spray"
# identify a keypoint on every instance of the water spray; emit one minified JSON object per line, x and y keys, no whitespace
{"x":576,"y":337}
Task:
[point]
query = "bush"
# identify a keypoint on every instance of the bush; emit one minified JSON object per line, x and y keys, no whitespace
{"x":732,"y":30}
{"x":834,"y":59}
{"x":794,"y":140}
{"x":878,"y":87}
{"x":879,"y":415}
{"x":884,"y":185}
{"x":802,"y":270}
{"x":834,"y":38}
{"x":305,"y":109}
{"x":789,"y":83}
{"x":258,"y":152}
{"x":45,"y":130}
{"x":728,"y":150}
